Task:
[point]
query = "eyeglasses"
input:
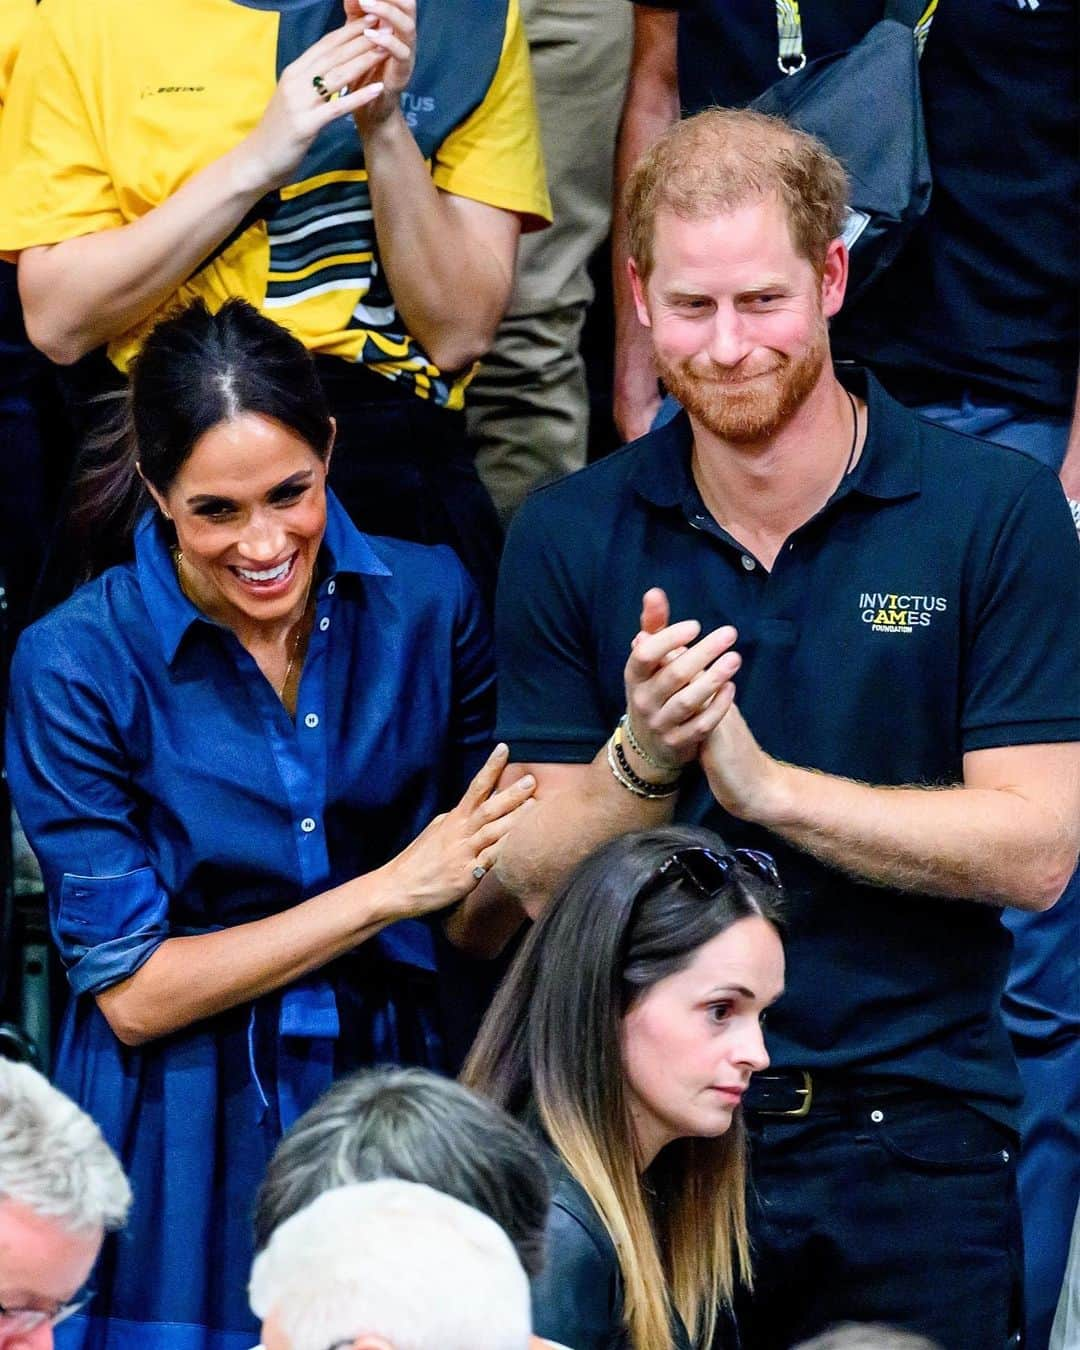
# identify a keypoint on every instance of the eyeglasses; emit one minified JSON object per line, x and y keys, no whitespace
{"x":22,"y":1320}
{"x":710,"y":871}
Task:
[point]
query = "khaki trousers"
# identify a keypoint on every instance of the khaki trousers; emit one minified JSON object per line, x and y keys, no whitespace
{"x":527,"y":408}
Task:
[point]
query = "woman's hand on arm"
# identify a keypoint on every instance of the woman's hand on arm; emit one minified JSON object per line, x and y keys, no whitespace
{"x":188,"y":979}
{"x":82,"y":292}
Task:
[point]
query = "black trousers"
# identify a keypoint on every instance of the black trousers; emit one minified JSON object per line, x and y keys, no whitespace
{"x":899,"y":1209}
{"x":401,"y":466}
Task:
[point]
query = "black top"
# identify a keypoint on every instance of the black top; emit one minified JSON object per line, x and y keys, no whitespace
{"x":931,"y":608}
{"x":578,"y":1296}
{"x":985,"y":296}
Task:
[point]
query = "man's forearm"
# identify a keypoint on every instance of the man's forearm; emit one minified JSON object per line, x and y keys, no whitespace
{"x":651,"y":106}
{"x":84,"y":291}
{"x":450,"y":286}
{"x":566,"y":824}
{"x":967,"y":843}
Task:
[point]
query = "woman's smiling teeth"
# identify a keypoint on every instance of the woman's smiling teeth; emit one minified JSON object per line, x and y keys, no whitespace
{"x":268,"y":575}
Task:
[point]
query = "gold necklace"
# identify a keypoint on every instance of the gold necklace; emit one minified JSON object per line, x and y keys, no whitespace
{"x":301,"y":627}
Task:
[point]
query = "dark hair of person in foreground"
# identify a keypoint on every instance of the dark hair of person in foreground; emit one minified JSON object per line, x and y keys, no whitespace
{"x":550,"y":1050}
{"x":411,"y":1125}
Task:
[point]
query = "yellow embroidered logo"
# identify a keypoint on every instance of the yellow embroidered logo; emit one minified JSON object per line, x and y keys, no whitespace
{"x":891,"y":612}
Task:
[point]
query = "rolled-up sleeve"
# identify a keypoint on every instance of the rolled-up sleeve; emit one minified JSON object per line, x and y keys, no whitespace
{"x":72,"y":788}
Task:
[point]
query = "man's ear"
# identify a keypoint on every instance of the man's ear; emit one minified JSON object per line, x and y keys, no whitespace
{"x":834,"y":278}
{"x":637,"y":286}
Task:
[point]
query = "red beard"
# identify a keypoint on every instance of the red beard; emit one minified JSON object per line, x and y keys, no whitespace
{"x":743,"y":410}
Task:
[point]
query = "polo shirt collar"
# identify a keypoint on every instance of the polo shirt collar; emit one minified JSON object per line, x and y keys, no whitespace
{"x":889,"y":467}
{"x":344,"y":551}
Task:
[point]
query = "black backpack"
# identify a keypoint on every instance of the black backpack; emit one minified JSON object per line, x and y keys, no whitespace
{"x":866,"y":106}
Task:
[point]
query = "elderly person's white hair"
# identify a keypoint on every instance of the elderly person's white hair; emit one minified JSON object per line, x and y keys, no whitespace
{"x":396,"y":1260}
{"x":53,"y":1159}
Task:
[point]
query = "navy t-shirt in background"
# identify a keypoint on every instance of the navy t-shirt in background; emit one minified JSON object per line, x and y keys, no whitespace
{"x":930,"y":609}
{"x":986,"y":297}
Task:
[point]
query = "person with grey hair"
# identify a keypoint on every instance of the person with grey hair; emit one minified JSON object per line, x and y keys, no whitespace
{"x":61,"y":1190}
{"x":390,"y":1265}
{"x":867,"y":1336}
{"x":412,"y":1125}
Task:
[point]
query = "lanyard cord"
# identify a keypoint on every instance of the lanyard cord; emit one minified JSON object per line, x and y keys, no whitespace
{"x":790,"y":53}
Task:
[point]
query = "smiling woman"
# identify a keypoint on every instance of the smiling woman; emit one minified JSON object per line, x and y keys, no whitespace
{"x":247,"y":501}
{"x":240,"y":759}
{"x":626,"y":1033}
{"x":249,"y":510}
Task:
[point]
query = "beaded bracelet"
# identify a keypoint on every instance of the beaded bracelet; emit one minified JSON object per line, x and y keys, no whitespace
{"x":625,"y":782}
{"x":635,"y":745}
{"x":625,"y":776}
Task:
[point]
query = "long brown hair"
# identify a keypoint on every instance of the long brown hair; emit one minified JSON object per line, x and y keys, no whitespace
{"x":550,"y":1046}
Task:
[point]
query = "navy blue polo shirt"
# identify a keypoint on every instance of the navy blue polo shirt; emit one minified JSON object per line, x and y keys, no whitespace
{"x":932,"y":607}
{"x":986,"y":296}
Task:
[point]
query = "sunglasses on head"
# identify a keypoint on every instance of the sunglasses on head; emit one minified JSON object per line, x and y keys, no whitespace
{"x":709,"y":871}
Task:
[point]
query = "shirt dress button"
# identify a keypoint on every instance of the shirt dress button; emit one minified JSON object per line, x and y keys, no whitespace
{"x":307,"y":824}
{"x":324,"y":624}
{"x":331,"y":588}
{"x":311,"y":720}
{"x":748,"y":562}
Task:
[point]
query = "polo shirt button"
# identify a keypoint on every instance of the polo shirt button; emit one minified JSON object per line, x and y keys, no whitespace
{"x":311,"y":720}
{"x":324,"y":624}
{"x":877,"y":1117}
{"x":307,"y":825}
{"x":331,"y":588}
{"x":748,"y":562}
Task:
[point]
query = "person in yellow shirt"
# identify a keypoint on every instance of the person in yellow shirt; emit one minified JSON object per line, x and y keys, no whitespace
{"x":14,"y":17}
{"x":364,"y":188}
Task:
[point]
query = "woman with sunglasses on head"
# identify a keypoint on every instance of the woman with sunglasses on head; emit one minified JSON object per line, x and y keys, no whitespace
{"x":625,"y":1033}
{"x":251,"y":761}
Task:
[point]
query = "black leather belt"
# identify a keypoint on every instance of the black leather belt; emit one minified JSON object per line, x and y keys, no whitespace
{"x":795,"y":1092}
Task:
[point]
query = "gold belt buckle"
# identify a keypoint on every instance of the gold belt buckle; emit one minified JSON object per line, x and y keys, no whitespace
{"x":807,"y":1091}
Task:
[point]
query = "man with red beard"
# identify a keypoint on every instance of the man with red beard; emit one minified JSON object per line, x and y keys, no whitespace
{"x":871,"y":675}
